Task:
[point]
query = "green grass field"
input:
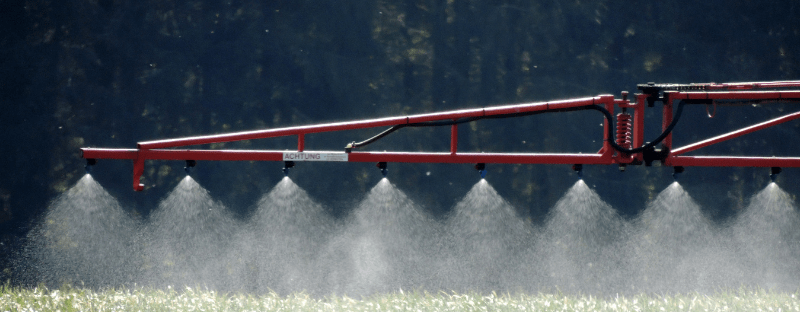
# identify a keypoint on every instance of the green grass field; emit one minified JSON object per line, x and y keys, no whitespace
{"x":188,"y":299}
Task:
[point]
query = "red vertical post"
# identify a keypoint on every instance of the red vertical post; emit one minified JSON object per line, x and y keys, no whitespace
{"x":638,"y":123}
{"x":607,"y":149}
{"x":668,"y":95}
{"x":608,"y":101}
{"x":453,"y":139}
{"x":138,"y":170}
{"x":301,"y":142}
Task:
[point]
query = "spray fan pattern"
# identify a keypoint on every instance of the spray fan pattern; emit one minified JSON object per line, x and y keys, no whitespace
{"x":387,"y":243}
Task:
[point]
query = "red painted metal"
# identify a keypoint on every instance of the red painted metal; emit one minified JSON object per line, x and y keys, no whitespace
{"x":453,"y":139}
{"x":372,"y":123}
{"x":467,"y":158}
{"x":108,"y":153}
{"x":733,"y":161}
{"x":667,"y":117}
{"x":467,"y":113}
{"x":736,"y":95}
{"x":638,"y":124}
{"x":404,"y":157}
{"x":624,"y":130}
{"x":735,"y":134}
{"x":754,"y":85}
{"x":669,"y":95}
{"x":272,"y":133}
{"x":301,"y":142}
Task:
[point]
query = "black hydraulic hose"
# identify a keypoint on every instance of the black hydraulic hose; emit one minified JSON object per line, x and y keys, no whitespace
{"x":599,"y":108}
{"x":651,"y":144}
{"x":398,"y":127}
{"x":375,"y":138}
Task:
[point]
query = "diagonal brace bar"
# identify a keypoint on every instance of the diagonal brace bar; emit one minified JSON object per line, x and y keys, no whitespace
{"x":735,"y":134}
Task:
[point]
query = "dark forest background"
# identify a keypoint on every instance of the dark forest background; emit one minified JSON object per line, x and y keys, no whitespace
{"x":110,"y":73}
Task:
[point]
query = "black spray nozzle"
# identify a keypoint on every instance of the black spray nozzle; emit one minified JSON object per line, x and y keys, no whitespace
{"x":652,"y":154}
{"x":773,"y":173}
{"x":578,"y":169}
{"x":189,"y":165}
{"x":677,"y":170}
{"x":382,"y":167}
{"x":481,"y":167}
{"x":89,"y":163}
{"x":286,"y":166}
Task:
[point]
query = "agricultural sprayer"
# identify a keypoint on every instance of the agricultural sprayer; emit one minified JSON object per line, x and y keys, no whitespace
{"x":623,"y":133}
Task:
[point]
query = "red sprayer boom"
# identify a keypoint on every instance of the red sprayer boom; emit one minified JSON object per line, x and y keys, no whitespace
{"x":623,"y":134}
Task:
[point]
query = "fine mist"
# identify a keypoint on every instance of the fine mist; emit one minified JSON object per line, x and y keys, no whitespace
{"x":767,"y":240}
{"x":582,"y":243}
{"x":281,"y":242}
{"x":84,"y":238}
{"x":676,"y":248}
{"x":188,"y":241}
{"x":486,"y":243}
{"x":387,"y":243}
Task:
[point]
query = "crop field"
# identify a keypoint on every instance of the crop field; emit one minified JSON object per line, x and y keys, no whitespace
{"x":189,"y":299}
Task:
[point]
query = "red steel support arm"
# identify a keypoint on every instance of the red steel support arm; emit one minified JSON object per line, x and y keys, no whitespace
{"x":735,"y":134}
{"x":730,"y":93}
{"x":372,"y":123}
{"x":453,"y":139}
{"x":155,"y":149}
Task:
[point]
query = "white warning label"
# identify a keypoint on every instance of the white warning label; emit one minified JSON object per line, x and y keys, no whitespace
{"x":314,"y":156}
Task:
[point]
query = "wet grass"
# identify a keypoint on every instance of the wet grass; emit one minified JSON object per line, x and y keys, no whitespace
{"x":191,"y":299}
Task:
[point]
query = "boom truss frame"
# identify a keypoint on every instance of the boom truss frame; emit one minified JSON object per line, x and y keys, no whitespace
{"x":613,"y":151}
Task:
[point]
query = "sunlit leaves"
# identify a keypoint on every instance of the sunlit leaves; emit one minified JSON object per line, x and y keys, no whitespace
{"x":191,"y":299}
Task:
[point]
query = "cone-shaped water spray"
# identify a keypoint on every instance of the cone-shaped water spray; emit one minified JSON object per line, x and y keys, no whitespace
{"x":676,"y":248}
{"x":283,"y":239}
{"x":386,"y":245}
{"x":84,"y":239}
{"x":768,"y":237}
{"x":487,"y":241}
{"x":188,"y":240}
{"x":581,"y":244}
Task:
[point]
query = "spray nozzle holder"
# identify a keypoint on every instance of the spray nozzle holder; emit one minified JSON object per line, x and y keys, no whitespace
{"x":382,"y":167}
{"x":89,"y":163}
{"x":774,"y":172}
{"x":481,"y":167}
{"x":286,"y":166}
{"x":189,"y":165}
{"x":578,"y":169}
{"x":677,"y":170}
